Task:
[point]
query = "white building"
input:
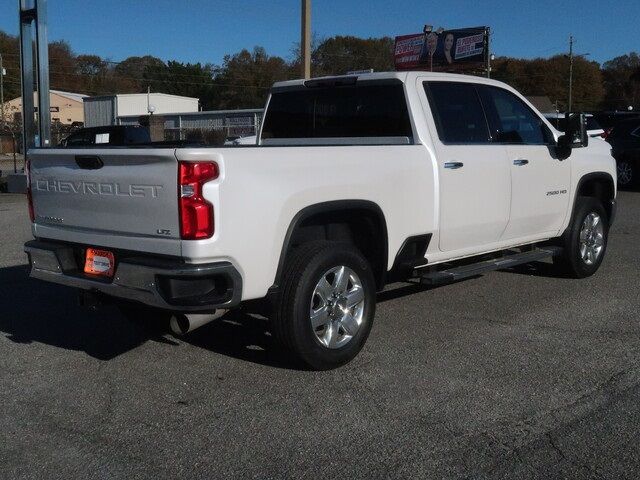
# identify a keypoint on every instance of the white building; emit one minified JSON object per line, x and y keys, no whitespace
{"x":104,"y":109}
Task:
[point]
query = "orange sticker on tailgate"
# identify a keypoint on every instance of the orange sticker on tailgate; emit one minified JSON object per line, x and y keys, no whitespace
{"x":99,"y":262}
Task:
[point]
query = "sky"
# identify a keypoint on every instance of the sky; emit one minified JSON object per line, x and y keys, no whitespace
{"x":205,"y":30}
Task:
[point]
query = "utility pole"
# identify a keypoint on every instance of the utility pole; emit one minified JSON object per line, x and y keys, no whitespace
{"x":488,"y":49}
{"x":305,"y":39}
{"x":570,"y":70}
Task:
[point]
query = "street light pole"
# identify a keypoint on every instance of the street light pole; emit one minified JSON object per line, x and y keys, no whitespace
{"x":305,"y":38}
{"x":570,"y":70}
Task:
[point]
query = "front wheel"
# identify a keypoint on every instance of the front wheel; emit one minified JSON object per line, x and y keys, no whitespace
{"x":327,"y":304}
{"x":585,"y":240}
{"x":626,"y":173}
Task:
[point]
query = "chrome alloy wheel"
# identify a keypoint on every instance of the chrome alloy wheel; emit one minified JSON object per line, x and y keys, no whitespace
{"x":337,"y":307}
{"x":591,"y":238}
{"x":625,"y":173}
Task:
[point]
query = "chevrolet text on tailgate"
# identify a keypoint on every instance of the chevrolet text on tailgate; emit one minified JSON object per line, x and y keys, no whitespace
{"x":355,"y":182}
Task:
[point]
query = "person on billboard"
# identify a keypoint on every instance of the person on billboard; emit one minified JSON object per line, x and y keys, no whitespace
{"x":447,"y":46}
{"x":429,"y":49}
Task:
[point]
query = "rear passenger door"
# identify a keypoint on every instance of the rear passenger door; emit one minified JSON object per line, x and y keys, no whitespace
{"x":539,"y":182}
{"x":474,"y":174}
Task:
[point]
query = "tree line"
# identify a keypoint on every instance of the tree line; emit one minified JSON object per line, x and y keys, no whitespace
{"x":244,"y":78}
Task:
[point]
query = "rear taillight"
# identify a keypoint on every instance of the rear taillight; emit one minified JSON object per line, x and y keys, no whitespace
{"x":196,"y":214}
{"x":606,"y":133}
{"x":27,"y":172}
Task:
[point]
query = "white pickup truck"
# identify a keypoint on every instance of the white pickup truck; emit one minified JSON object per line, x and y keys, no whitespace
{"x":354,"y":182}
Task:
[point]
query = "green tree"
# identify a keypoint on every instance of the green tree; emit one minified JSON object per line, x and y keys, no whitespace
{"x":340,"y":54}
{"x":91,"y":65}
{"x":63,"y":69}
{"x":186,"y":79}
{"x":245,"y":78}
{"x":134,"y":67}
{"x":622,"y":81}
{"x":550,"y":77}
{"x":11,"y":62}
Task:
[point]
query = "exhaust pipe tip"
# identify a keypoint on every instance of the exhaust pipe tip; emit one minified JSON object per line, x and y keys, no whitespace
{"x":182,"y":323}
{"x":179,"y":324}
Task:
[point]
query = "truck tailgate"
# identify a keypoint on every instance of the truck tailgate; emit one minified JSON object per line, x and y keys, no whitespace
{"x":107,"y":197}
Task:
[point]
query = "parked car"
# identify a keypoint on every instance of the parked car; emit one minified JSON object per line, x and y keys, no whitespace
{"x":608,"y":119}
{"x":355,"y":181}
{"x":624,"y":138}
{"x":594,"y":129}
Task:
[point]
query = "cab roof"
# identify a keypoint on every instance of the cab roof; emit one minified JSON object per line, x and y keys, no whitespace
{"x":405,"y":77}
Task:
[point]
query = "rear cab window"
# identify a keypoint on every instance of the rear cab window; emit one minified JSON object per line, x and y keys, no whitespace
{"x":360,"y":113}
{"x":458,"y":113}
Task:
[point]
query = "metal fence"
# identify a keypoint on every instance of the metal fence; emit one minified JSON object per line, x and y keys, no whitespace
{"x":213,"y":127}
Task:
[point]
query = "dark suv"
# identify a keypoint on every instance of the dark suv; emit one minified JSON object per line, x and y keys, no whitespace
{"x":624,"y":138}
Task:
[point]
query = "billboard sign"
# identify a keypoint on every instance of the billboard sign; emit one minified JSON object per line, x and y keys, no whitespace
{"x":444,"y":51}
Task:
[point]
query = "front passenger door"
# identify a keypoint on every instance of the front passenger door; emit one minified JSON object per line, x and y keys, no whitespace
{"x":474,"y":177}
{"x":539,"y":182}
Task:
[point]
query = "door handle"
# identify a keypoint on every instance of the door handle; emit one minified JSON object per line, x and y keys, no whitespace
{"x":520,"y":162}
{"x":89,"y":162}
{"x":453,"y":165}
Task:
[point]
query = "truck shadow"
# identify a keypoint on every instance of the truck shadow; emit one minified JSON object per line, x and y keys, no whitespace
{"x":245,"y":337}
{"x":35,"y":311}
{"x":32,"y":311}
{"x":537,"y":269}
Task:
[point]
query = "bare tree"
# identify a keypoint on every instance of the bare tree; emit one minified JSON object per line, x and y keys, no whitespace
{"x":10,"y":126}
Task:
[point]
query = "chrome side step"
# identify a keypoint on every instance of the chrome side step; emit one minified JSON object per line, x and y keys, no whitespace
{"x":475,"y":269}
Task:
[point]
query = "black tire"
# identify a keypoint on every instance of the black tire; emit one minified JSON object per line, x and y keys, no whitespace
{"x":291,"y":322}
{"x":571,"y":262}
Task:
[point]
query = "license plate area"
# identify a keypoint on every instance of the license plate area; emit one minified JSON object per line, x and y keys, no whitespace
{"x":100,"y":263}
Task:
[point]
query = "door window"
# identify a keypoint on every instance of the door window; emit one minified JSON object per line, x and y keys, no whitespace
{"x":457,"y":112}
{"x":511,"y":121}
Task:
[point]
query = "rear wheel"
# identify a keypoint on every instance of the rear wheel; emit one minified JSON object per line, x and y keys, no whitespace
{"x":585,"y":241}
{"x":327,"y":304}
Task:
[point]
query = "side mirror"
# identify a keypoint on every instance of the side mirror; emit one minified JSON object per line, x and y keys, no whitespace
{"x":577,"y":129}
{"x":575,"y":135}
{"x":563,"y":147}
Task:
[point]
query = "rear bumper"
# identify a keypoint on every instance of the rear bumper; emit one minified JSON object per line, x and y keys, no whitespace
{"x":157,"y":282}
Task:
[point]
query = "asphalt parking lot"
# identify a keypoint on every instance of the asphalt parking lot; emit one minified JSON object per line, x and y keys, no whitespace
{"x":518,"y":374}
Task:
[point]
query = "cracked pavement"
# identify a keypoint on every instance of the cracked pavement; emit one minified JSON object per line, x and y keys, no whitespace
{"x":516,"y":374}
